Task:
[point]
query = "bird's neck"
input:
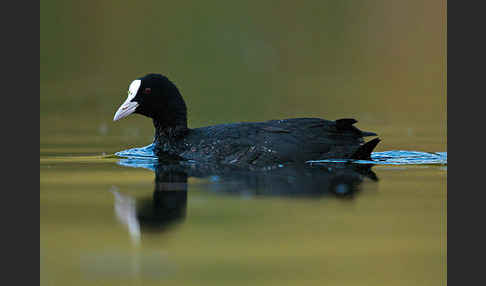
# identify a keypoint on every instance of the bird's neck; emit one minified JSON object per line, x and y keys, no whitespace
{"x":169,"y":130}
{"x":171,"y":124}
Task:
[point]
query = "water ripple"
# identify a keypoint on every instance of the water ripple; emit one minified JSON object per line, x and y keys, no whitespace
{"x":398,"y":157}
{"x":144,"y":157}
{"x":140,"y":152}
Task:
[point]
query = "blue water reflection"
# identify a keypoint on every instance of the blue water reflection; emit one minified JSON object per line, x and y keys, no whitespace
{"x":144,"y":157}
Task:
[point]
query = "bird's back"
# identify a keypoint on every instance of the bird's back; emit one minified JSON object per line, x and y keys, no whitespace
{"x":272,"y":142}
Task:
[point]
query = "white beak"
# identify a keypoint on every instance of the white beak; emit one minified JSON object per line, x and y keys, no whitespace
{"x":127,"y":108}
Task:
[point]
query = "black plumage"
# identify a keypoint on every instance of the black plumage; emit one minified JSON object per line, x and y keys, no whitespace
{"x":241,"y":144}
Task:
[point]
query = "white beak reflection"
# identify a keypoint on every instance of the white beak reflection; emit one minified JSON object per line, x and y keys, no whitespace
{"x":126,"y":213}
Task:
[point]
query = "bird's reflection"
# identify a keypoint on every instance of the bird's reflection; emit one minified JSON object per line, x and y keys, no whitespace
{"x":167,"y":206}
{"x":168,"y":203}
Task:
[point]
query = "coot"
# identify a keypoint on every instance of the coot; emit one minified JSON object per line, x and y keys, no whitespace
{"x":244,"y":144}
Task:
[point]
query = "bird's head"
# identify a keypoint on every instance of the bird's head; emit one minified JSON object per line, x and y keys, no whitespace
{"x":155,"y":96}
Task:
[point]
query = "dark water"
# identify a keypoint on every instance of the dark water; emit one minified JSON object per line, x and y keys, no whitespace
{"x":112,"y":215}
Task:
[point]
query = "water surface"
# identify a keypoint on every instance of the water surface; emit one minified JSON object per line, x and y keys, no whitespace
{"x":105,"y":222}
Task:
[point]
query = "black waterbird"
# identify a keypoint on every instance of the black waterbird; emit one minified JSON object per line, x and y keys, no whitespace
{"x":244,"y":144}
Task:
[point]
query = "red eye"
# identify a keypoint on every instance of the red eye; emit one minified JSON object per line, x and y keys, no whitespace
{"x":148,"y":90}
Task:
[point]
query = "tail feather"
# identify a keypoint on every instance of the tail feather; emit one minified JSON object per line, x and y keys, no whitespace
{"x":364,"y":151}
{"x":366,"y":133}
